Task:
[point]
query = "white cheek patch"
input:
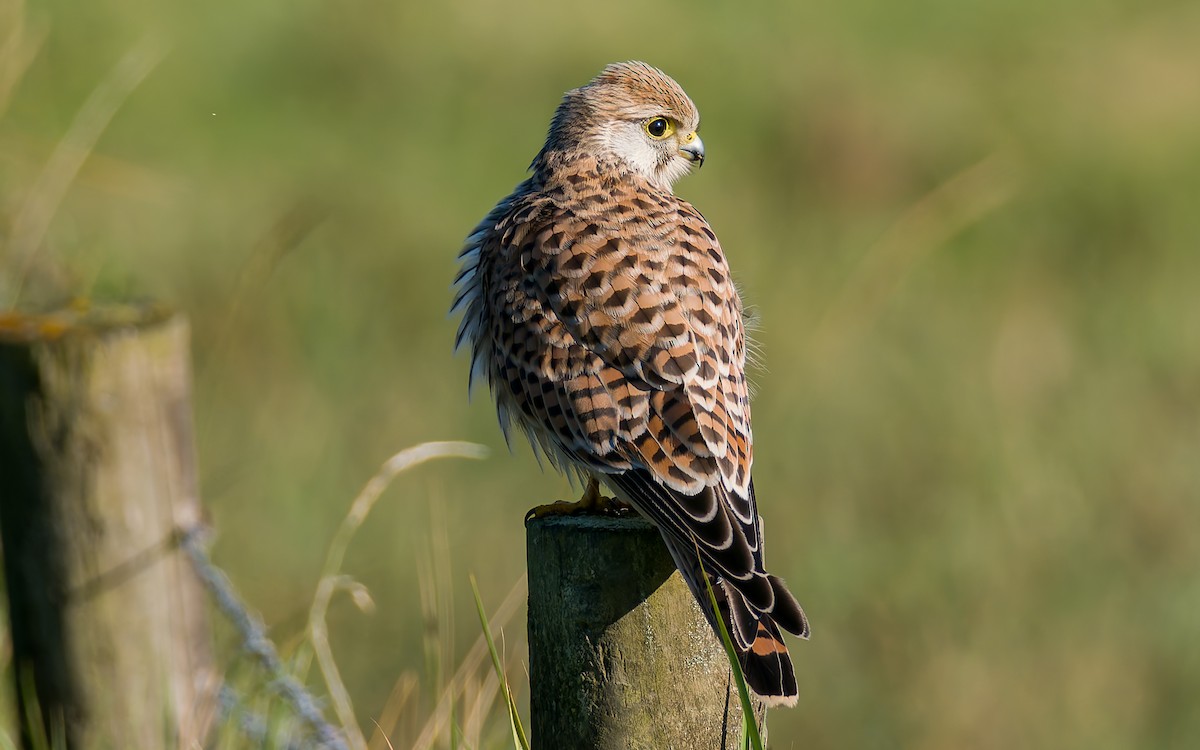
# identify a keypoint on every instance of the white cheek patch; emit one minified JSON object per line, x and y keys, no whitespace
{"x":627,"y":141}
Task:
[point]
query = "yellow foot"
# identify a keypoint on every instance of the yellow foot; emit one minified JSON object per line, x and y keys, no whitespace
{"x":592,"y":502}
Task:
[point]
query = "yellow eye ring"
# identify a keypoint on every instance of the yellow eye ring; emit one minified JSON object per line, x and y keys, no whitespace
{"x":659,"y":128}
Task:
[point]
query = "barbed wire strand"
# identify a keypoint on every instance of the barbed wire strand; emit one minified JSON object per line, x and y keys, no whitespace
{"x":255,"y":640}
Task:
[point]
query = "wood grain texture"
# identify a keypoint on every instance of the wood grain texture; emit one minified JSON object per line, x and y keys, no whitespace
{"x":97,"y":472}
{"x":620,"y":655}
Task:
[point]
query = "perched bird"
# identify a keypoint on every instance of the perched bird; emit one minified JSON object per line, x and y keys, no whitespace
{"x":600,"y":308}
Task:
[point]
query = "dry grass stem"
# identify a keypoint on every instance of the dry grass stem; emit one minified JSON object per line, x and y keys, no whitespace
{"x":42,"y":201}
{"x":478,"y":708}
{"x":470,"y":665}
{"x":332,"y":580}
{"x":18,"y":48}
{"x":385,"y":725}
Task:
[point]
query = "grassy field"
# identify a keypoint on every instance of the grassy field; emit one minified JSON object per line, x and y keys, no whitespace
{"x":970,"y":233}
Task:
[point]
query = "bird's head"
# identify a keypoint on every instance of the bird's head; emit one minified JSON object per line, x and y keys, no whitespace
{"x":633,"y":114}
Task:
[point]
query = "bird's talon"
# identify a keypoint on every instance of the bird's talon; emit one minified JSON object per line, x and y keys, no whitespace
{"x":592,"y":503}
{"x":560,"y":508}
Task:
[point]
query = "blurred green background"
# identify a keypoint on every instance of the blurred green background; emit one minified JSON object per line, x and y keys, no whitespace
{"x":970,"y":233}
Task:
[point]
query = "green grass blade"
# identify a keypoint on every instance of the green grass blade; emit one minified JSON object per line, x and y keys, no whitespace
{"x":750,"y":735}
{"x":33,"y":713}
{"x":519,"y":738}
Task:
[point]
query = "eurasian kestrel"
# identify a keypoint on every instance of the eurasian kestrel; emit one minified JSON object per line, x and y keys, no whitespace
{"x":600,"y":308}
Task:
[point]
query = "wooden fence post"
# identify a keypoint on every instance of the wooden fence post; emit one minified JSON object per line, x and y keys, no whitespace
{"x":97,"y":474}
{"x":620,"y":655}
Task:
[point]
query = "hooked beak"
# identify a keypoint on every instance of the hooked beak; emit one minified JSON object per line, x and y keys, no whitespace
{"x":692,"y":148}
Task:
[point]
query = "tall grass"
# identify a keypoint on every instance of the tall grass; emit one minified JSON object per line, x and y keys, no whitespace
{"x":520,"y":740}
{"x":248,"y":718}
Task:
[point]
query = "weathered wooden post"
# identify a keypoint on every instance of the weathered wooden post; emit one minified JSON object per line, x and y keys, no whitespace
{"x":97,"y":473}
{"x":620,"y":655}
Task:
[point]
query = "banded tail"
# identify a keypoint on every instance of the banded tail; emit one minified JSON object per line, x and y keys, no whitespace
{"x":755,"y":635}
{"x":725,"y":531}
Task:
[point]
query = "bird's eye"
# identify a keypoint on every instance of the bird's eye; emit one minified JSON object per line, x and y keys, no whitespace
{"x":659,"y":128}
